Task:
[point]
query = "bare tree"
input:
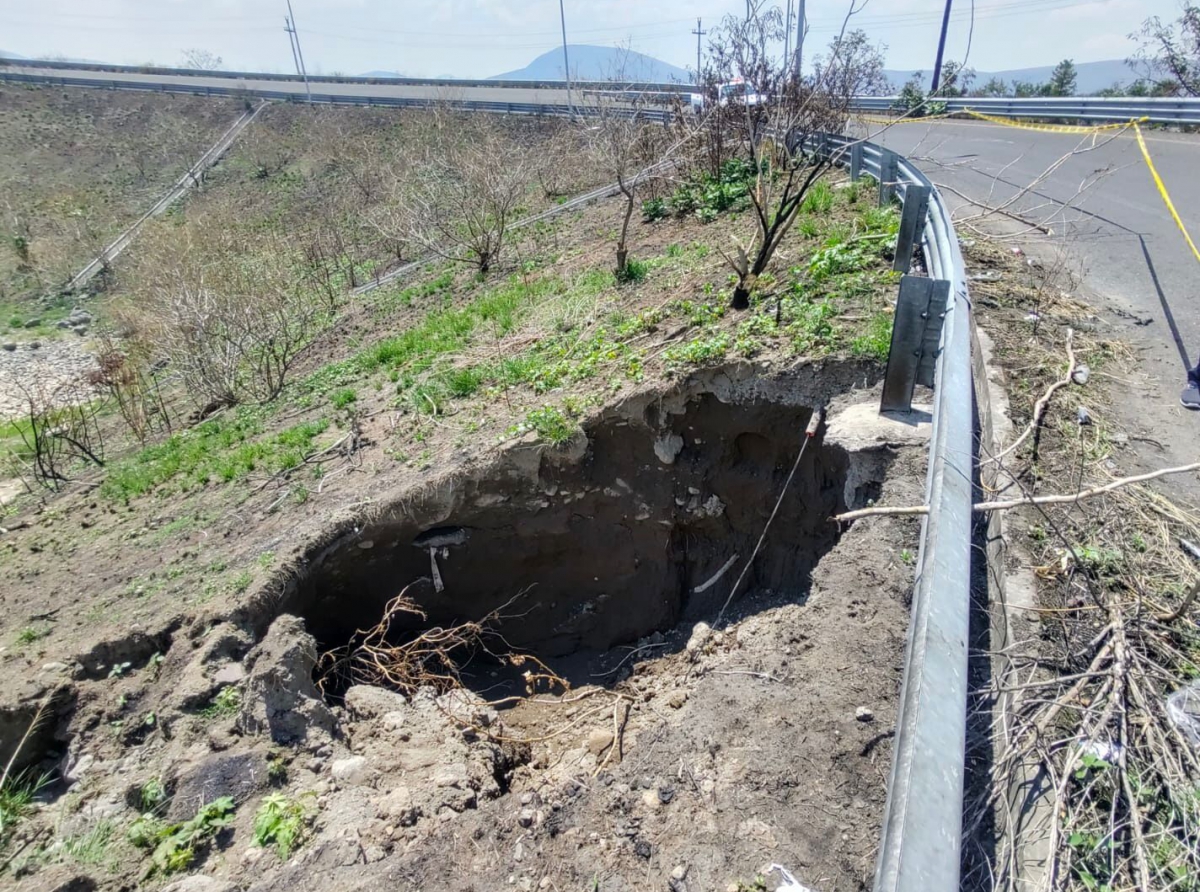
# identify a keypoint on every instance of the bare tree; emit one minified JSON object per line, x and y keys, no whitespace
{"x":464,"y":197}
{"x":1172,"y":48}
{"x":201,"y":60}
{"x":772,"y":121}
{"x":61,"y":429}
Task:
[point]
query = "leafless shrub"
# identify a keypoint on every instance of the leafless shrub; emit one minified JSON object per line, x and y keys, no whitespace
{"x":126,"y":374}
{"x":231,"y":313}
{"x":467,"y":193}
{"x":59,"y":429}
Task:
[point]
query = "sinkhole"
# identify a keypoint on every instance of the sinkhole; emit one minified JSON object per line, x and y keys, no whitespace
{"x":643,"y":521}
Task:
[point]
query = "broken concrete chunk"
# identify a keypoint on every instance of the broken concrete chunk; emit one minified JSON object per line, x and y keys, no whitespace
{"x":281,"y":698}
{"x":353,"y":771}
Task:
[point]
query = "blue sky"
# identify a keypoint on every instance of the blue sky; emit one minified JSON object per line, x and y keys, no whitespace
{"x":477,"y":38}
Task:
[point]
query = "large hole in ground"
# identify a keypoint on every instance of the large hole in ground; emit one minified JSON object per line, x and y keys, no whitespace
{"x":609,"y":542}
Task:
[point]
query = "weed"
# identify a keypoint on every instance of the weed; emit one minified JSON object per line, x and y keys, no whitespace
{"x":819,"y":199}
{"x":91,"y":847}
{"x":463,"y":383}
{"x":836,"y":260}
{"x":16,"y":799}
{"x":652,"y":209}
{"x":117,"y":670}
{"x":810,"y":323}
{"x":174,"y":846}
{"x":809,"y":227}
{"x":674,"y":251}
{"x":29,"y":634}
{"x":344,"y":398}
{"x":280,"y":822}
{"x":152,"y":794}
{"x":225,"y":704}
{"x":702,"y":350}
{"x":633,"y":272}
{"x":876,"y":342}
{"x":907,"y":557}
{"x":241,"y":582}
{"x":277,"y":769}
{"x":550,"y":425}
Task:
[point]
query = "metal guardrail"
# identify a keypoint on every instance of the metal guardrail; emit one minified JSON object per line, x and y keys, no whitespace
{"x":1074,"y":108}
{"x":920,"y":850}
{"x":503,"y":108}
{"x":339,"y":79}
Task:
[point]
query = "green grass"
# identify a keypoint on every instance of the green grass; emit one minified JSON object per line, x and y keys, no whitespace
{"x":819,"y":199}
{"x":221,"y":449}
{"x":224,"y":705}
{"x":16,"y":800}
{"x":876,"y":341}
{"x":703,"y":350}
{"x":29,"y":634}
{"x":93,"y":846}
{"x":550,"y":424}
{"x":344,"y":398}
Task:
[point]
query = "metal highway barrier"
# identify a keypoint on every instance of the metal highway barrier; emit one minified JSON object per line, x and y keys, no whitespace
{"x":503,"y":108}
{"x":922,"y":828}
{"x":338,"y":79}
{"x":1071,"y":108}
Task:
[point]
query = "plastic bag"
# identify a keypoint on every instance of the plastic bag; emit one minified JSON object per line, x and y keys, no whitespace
{"x":790,"y":883}
{"x":1183,"y":708}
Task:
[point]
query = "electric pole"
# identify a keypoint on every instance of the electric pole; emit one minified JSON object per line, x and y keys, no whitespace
{"x":699,"y":32}
{"x":566,"y":61}
{"x":299,"y":52}
{"x":287,"y":26}
{"x":787,"y":36}
{"x":800,"y":22}
{"x":937,"y":66}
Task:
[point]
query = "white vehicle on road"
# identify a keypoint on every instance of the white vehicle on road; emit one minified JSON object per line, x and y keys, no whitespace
{"x":736,"y":90}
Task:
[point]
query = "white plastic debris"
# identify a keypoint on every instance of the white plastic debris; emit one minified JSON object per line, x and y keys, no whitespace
{"x":1183,"y":708}
{"x":1108,"y":750}
{"x":790,"y":883}
{"x":1081,"y":374}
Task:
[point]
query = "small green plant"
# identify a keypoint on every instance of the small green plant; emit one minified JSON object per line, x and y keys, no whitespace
{"x":119,"y":669}
{"x":152,"y":795}
{"x":819,"y":199}
{"x":907,"y":557}
{"x":654,"y":209}
{"x":550,"y":425}
{"x":225,"y":704}
{"x":277,"y":769}
{"x":174,"y":846}
{"x":29,"y":634}
{"x":280,"y":822}
{"x":17,"y":791}
{"x":91,"y":847}
{"x":344,"y":398}
{"x":633,"y":272}
{"x":699,"y":351}
{"x":876,"y":342}
{"x":241,"y":582}
{"x":809,"y":227}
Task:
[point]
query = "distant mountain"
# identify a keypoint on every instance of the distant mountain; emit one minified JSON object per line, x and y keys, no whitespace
{"x":1092,"y":76}
{"x":5,"y":54}
{"x":598,"y":63}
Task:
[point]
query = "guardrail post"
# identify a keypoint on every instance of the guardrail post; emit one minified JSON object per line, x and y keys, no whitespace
{"x":889,"y":172}
{"x":856,"y":158}
{"x":912,"y":225}
{"x":916,"y":331}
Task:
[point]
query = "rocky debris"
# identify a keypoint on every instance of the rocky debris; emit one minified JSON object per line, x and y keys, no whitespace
{"x":353,"y":772}
{"x":668,"y":447}
{"x":199,"y":883}
{"x":47,"y":369}
{"x":79,"y":321}
{"x":864,"y":714}
{"x":212,"y":667}
{"x":598,"y":741}
{"x":701,"y":633}
{"x":280,"y":697}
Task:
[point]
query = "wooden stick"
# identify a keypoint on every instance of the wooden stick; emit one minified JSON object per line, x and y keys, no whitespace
{"x":1040,"y":407}
{"x":1028,"y":500}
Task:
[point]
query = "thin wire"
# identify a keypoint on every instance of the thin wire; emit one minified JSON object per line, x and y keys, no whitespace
{"x":813,"y":425}
{"x":970,"y":37}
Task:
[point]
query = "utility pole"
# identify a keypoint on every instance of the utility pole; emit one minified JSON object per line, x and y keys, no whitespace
{"x":562,"y":16}
{"x":787,"y":36}
{"x":937,"y":66}
{"x":800,"y":22}
{"x":699,"y":32}
{"x":287,"y":26}
{"x":299,"y":52}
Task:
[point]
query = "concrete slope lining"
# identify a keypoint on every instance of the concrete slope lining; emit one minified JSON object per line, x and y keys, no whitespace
{"x":181,"y":187}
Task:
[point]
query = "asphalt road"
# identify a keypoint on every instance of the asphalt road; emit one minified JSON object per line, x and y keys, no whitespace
{"x":1109,"y":221}
{"x":296,"y":87}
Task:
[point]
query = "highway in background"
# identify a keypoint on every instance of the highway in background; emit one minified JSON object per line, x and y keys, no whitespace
{"x":1117,"y":231}
{"x":295,"y":87}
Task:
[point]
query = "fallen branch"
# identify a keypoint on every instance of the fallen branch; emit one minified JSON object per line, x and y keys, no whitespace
{"x":1027,"y":500}
{"x":1040,"y":407}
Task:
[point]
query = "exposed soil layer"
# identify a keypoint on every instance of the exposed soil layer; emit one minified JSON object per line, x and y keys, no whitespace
{"x":605,"y":540}
{"x":678,"y":748}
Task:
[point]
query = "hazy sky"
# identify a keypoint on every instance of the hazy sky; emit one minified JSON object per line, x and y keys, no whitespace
{"x":477,"y":38}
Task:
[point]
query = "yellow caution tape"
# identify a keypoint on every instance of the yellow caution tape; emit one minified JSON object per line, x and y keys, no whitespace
{"x":1162,"y":190}
{"x":1053,"y":128}
{"x":878,"y":119}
